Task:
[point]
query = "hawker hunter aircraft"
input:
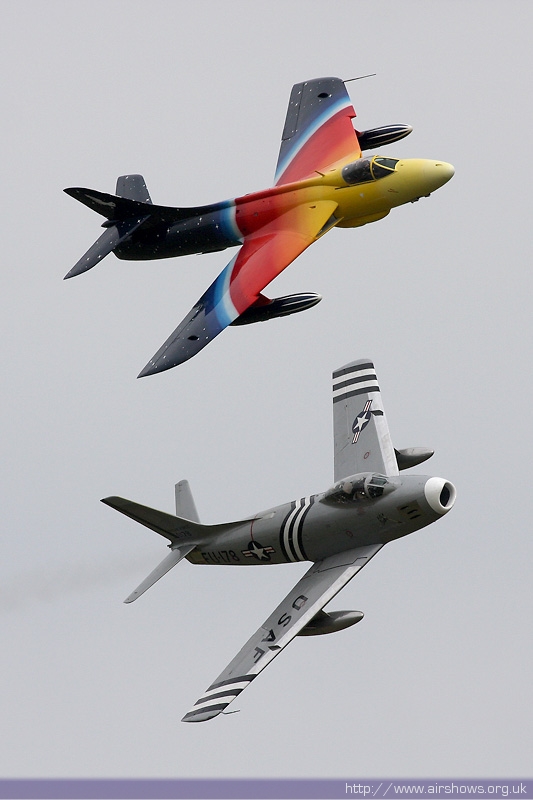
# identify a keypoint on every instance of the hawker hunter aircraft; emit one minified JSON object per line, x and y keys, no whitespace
{"x":339,"y":531}
{"x":321,"y":182}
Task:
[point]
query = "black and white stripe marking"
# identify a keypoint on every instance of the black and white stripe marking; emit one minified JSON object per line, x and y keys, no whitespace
{"x":216,"y":698}
{"x":291,"y":532}
{"x":359,"y":379}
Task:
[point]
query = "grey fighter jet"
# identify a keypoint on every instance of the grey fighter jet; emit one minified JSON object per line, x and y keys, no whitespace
{"x":338,"y":530}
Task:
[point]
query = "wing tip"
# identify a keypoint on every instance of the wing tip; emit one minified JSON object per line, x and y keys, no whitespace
{"x":112,"y":501}
{"x":149,"y":369}
{"x":203,"y":714}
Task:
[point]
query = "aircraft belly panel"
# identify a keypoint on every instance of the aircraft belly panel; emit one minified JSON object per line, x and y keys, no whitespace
{"x":327,"y":533}
{"x":364,"y":200}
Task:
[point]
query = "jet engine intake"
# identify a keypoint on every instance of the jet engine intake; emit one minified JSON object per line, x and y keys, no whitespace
{"x":329,"y":622}
{"x":264,"y":308}
{"x":440,"y":494}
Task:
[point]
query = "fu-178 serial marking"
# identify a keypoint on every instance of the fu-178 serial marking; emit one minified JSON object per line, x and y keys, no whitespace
{"x":339,"y":530}
{"x":321,"y":182}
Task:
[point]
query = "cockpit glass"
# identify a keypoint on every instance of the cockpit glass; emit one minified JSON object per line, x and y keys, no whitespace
{"x":375,"y":485}
{"x":383,"y":166}
{"x":357,"y":172}
{"x":365,"y":486}
{"x":368,"y":169}
{"x":348,"y":491}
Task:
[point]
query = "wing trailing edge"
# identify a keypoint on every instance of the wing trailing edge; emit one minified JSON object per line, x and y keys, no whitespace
{"x":317,"y":587}
{"x":318,"y":130}
{"x":362,"y":442}
{"x":262,"y":257}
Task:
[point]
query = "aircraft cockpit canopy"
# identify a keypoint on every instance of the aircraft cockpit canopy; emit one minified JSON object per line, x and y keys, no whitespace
{"x":365,"y":486}
{"x":368,"y":169}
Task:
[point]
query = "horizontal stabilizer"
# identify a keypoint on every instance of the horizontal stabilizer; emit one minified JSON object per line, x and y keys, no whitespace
{"x":107,"y":242}
{"x":109,"y":205}
{"x":180,"y":532}
{"x":175,"y":529}
{"x":120,"y":208}
{"x":173,"y":558}
{"x":184,"y":534}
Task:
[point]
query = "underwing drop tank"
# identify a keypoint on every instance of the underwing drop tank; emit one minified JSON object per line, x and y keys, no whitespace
{"x":329,"y":622}
{"x":386,"y":134}
{"x":265,"y":308}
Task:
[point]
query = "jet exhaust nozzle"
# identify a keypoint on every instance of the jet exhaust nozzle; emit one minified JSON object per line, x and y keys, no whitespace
{"x":386,"y":134}
{"x":265,"y":308}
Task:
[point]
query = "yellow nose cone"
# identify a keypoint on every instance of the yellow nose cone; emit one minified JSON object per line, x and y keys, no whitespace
{"x":438,"y":173}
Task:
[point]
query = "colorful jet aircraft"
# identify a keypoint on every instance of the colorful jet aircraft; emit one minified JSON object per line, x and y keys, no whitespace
{"x":322,"y":181}
{"x":338,"y":530}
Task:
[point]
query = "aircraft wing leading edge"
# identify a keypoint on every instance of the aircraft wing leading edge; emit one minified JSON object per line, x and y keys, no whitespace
{"x":362,"y":441}
{"x":317,"y":587}
{"x":261,"y":258}
{"x":318,"y":130}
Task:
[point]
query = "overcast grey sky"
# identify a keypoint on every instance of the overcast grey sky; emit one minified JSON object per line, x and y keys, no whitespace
{"x":436,"y":681}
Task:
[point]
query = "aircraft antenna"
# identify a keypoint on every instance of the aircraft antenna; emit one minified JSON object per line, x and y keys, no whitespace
{"x":360,"y":77}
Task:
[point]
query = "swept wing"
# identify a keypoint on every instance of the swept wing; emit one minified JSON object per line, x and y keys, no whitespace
{"x":317,"y":587}
{"x":362,"y":440}
{"x":263,"y":255}
{"x":318,"y":130}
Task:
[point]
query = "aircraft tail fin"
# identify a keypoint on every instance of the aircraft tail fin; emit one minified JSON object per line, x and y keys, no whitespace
{"x":185,"y":505}
{"x":126,"y":211}
{"x":133,"y":187}
{"x":183,"y":532}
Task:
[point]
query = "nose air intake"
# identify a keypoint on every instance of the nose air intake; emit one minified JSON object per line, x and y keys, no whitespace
{"x":440,"y":494}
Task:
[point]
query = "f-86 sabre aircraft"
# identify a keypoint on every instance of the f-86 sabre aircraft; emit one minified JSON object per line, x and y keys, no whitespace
{"x":338,"y":530}
{"x":321,"y":182}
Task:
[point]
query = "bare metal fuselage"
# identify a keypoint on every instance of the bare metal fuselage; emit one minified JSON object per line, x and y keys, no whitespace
{"x":314,"y":527}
